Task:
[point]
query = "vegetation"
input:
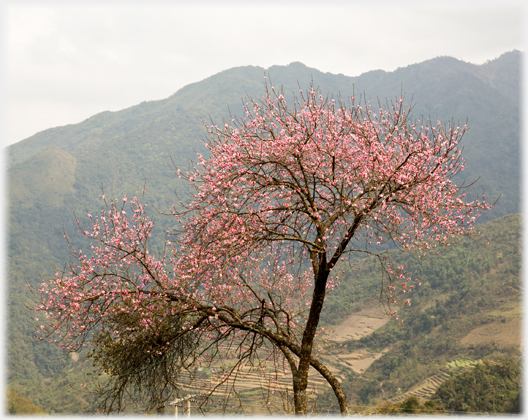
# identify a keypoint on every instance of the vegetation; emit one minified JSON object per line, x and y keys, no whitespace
{"x":411,"y":405}
{"x":440,"y":325}
{"x":62,"y":170}
{"x":16,"y":404}
{"x":488,"y":387}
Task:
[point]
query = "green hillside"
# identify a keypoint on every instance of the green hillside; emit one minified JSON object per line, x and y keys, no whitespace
{"x":488,"y":387}
{"x":62,"y":171}
{"x":468,"y":308}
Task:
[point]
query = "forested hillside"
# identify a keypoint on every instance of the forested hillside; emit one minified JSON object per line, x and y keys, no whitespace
{"x":58,"y":174}
{"x":467,"y":308}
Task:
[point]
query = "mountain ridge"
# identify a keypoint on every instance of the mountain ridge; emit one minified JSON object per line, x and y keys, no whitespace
{"x":146,"y":107}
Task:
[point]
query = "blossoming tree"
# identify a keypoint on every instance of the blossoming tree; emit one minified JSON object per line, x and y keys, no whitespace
{"x":285,"y":195}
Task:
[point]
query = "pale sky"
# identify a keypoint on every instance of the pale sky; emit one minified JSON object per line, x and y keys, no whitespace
{"x":66,"y":61}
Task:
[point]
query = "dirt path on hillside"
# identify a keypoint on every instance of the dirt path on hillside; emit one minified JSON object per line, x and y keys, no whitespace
{"x":504,"y":334}
{"x":358,"y":361}
{"x":356,"y":326}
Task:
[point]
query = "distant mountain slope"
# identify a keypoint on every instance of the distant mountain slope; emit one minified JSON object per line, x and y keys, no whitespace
{"x":51,"y":172}
{"x":62,"y":170}
{"x":122,"y":149}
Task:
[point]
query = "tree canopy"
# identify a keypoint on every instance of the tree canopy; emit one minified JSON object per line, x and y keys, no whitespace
{"x":286,"y":194}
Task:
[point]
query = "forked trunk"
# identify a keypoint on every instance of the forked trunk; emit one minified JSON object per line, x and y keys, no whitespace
{"x":300,"y":376}
{"x":300,"y":384}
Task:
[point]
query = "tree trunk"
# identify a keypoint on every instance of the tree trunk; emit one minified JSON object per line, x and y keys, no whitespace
{"x":300,"y":383}
{"x":300,"y":379}
{"x":300,"y":398}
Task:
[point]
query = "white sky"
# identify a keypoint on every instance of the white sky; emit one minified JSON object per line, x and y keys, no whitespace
{"x":66,"y":61}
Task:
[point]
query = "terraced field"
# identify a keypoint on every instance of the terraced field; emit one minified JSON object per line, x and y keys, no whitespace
{"x":257,"y":379}
{"x":265,"y":396}
{"x":427,"y":388}
{"x":248,"y":378}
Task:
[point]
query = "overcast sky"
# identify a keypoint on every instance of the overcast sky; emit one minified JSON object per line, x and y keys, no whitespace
{"x":65,"y":61}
